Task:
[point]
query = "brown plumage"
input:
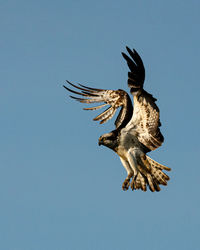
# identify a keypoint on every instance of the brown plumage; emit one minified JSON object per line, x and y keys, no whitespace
{"x":136,"y":132}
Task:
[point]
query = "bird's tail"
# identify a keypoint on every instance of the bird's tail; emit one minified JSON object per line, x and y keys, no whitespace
{"x":150,"y":173}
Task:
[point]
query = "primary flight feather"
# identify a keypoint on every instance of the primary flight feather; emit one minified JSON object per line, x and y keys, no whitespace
{"x":137,"y":130}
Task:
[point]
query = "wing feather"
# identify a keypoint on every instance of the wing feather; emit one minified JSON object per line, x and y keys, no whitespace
{"x":109,"y":116}
{"x":113,"y":98}
{"x":97,"y":107}
{"x":146,"y":121}
{"x":146,"y":116}
{"x":137,"y":75}
{"x":103,"y":115}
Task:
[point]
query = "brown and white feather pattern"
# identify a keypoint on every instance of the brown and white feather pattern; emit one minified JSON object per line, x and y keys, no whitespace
{"x":112,"y":98}
{"x":146,"y":121}
{"x":133,"y":128}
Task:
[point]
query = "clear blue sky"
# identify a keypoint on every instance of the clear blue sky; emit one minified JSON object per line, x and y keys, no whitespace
{"x":58,"y":189}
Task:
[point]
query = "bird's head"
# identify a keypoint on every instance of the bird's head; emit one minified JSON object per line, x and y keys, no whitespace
{"x":108,"y":140}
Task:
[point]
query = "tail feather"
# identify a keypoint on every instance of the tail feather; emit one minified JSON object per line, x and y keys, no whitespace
{"x":143,"y":183}
{"x":150,"y":182}
{"x":156,"y":185}
{"x":150,"y":173}
{"x":140,"y":182}
{"x":146,"y":172}
{"x":159,"y":176}
{"x":137,"y":182}
{"x":156,"y":164}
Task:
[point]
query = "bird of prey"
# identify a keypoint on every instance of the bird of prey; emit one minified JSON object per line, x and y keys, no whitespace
{"x":137,"y":130}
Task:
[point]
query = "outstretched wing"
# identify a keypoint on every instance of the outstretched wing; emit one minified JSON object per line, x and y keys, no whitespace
{"x":136,"y":75}
{"x":146,"y":119}
{"x":112,"y":98}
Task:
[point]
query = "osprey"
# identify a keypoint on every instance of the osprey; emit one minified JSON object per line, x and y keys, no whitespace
{"x":136,"y":130}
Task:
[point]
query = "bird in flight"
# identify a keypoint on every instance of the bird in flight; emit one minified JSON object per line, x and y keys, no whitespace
{"x":137,"y":129}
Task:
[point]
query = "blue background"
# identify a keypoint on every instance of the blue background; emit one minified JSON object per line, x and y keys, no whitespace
{"x":58,"y":189}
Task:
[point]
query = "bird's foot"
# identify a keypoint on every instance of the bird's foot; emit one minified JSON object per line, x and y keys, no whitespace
{"x":133,"y":184}
{"x":126,"y":183}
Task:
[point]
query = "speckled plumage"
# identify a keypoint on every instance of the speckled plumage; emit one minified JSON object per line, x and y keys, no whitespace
{"x":137,"y":131}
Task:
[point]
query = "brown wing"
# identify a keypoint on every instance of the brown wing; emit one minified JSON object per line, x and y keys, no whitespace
{"x":145,"y":120}
{"x":112,"y":98}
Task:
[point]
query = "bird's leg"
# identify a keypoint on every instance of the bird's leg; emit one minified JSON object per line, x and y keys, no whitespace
{"x":126,"y":182}
{"x":132,"y":184}
{"x":133,"y":164}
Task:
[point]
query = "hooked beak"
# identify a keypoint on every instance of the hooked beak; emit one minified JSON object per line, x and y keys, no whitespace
{"x":100,"y":141}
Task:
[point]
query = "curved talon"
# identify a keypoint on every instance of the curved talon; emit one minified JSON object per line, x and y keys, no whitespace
{"x":126,"y":184}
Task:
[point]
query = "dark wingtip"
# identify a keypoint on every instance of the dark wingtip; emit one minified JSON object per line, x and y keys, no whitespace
{"x":68,"y":88}
{"x":123,"y":54}
{"x":69,"y":82}
{"x":126,"y":57}
{"x":129,"y":50}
